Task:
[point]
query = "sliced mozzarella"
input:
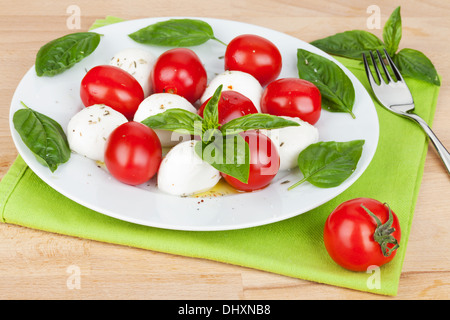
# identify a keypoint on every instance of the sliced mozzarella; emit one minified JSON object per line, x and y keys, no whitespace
{"x":158,"y":103}
{"x":182,"y":172}
{"x":290,"y":141}
{"x":137,"y":62}
{"x":89,"y":129}
{"x":239,"y":81}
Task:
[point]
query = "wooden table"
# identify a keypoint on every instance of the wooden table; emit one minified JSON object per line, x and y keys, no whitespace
{"x":38,"y":265}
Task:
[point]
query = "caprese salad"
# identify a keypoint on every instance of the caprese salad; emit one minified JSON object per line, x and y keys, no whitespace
{"x":148,"y":116}
{"x":137,"y":85}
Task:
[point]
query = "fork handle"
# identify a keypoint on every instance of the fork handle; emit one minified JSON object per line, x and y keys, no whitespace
{"x":441,"y":150}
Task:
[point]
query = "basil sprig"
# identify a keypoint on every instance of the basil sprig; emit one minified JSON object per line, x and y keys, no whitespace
{"x":221,"y":145}
{"x":175,"y":33}
{"x":351,"y":44}
{"x":63,"y":53}
{"x":336,"y":88}
{"x":43,"y":136}
{"x":328,"y":164}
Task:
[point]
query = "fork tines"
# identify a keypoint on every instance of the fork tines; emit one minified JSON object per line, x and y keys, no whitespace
{"x":383,"y":65}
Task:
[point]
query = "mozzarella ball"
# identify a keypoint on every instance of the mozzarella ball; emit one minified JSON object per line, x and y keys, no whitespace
{"x":89,"y":129}
{"x":182,"y":172}
{"x":158,"y":103}
{"x":239,"y":81}
{"x":290,"y":141}
{"x":137,"y":62}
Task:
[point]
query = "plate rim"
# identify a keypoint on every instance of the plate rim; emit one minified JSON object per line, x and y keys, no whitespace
{"x":35,"y":167}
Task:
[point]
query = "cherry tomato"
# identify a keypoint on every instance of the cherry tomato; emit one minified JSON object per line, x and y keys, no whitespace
{"x":359,"y":234}
{"x":232,"y":105}
{"x":113,"y":87}
{"x":264,"y":162}
{"x":179,"y":71}
{"x":292,"y":97}
{"x":254,"y":55}
{"x":133,"y":153}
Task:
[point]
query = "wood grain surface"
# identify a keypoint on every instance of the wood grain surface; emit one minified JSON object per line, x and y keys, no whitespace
{"x":38,"y":265}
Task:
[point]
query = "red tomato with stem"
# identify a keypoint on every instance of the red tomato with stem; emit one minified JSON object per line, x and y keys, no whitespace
{"x":264,"y":162}
{"x":254,"y":55}
{"x":179,"y":71}
{"x":362,"y":232}
{"x":292,"y":97}
{"x":133,"y":153}
{"x":232,"y":105}
{"x":113,"y":87}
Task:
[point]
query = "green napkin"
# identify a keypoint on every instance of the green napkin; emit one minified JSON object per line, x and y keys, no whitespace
{"x":292,"y":247}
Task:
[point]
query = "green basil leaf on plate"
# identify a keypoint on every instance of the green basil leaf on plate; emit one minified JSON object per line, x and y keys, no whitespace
{"x":392,"y":32}
{"x":61,"y":54}
{"x":176,"y":119}
{"x":43,"y":136}
{"x":414,"y":64}
{"x":349,"y":44}
{"x":336,"y":88}
{"x":228,"y":154}
{"x":175,"y":33}
{"x":254,"y":122}
{"x":328,"y":164}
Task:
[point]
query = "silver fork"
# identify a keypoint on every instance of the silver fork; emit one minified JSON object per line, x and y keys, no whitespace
{"x":395,"y":96}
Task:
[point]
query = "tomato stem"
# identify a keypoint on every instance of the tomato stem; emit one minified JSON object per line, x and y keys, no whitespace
{"x":383,"y":233}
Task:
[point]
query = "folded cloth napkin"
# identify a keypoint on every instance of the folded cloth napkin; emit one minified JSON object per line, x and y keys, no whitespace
{"x":293,"y":247}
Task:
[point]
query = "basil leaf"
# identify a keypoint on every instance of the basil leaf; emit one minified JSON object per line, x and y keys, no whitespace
{"x":105,"y":22}
{"x":349,"y":44}
{"x":328,"y":164}
{"x":254,"y":122}
{"x":211,"y":112}
{"x":211,"y":116}
{"x":43,"y":136}
{"x":61,"y":54}
{"x":414,"y":64}
{"x":176,"y":119}
{"x":336,"y":88}
{"x":228,"y":154}
{"x":392,"y":32}
{"x":175,"y":33}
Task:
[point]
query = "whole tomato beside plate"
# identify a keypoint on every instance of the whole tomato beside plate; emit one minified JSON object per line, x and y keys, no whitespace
{"x":362,"y":232}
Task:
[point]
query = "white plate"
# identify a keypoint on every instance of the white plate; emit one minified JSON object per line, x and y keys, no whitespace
{"x":83,"y":181}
